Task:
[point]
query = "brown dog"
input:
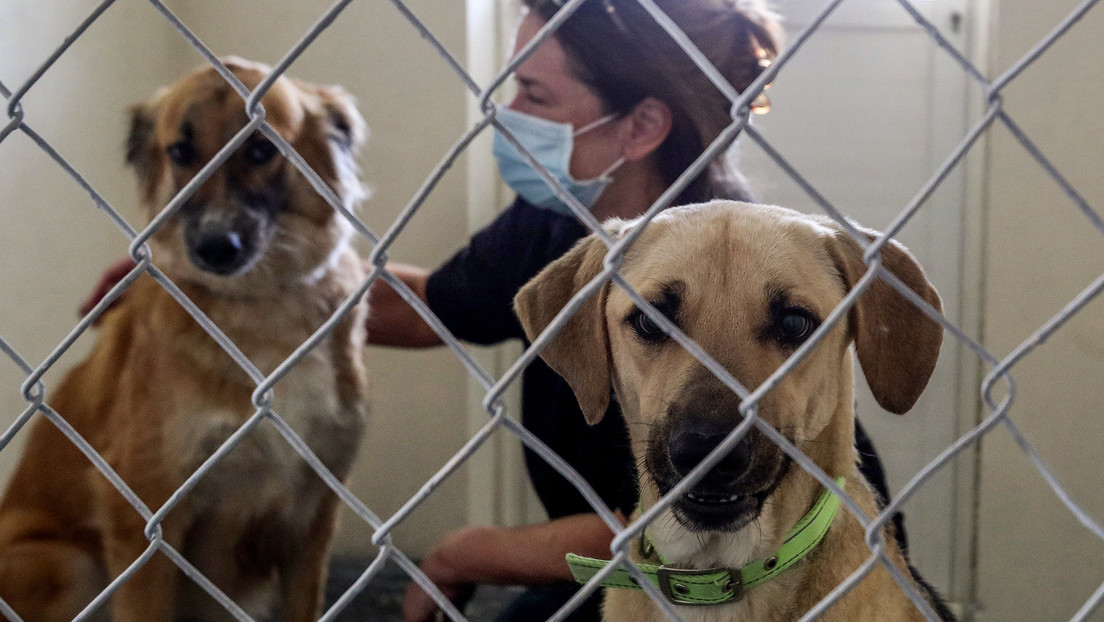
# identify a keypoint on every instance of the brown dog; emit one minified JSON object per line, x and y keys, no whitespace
{"x":749,"y":284}
{"x":268,"y":261}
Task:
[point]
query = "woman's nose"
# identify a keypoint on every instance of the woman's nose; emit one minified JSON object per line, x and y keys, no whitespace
{"x":515,"y":103}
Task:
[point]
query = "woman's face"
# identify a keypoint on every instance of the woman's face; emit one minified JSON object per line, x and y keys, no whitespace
{"x":546,"y":88}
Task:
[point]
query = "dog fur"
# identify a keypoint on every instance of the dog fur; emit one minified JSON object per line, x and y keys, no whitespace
{"x":268,"y":261}
{"x":748,"y":283}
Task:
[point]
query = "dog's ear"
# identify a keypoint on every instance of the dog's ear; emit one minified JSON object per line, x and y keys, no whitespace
{"x":343,"y":119}
{"x":897,"y":344}
{"x":141,"y":152}
{"x":580,"y":351}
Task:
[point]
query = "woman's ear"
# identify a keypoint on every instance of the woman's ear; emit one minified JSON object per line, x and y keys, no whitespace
{"x":649,"y":124}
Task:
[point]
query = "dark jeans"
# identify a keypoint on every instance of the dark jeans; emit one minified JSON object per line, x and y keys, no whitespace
{"x":541,"y":602}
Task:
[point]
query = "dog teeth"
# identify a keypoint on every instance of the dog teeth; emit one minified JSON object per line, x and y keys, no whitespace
{"x":712,"y":498}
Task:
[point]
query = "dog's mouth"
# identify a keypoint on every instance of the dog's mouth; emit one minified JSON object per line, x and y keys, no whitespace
{"x":727,"y":512}
{"x":712,"y":510}
{"x":226,"y":248}
{"x":707,"y":499}
{"x":721,"y":500}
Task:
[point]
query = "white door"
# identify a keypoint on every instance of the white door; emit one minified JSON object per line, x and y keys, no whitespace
{"x":866,"y":112}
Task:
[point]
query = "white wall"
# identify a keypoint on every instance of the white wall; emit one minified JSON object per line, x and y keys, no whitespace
{"x":866,"y":112}
{"x":53,"y":241}
{"x":1036,"y":561}
{"x":54,"y":244}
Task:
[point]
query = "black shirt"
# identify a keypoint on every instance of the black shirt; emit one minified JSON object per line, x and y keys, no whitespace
{"x":473,"y":295}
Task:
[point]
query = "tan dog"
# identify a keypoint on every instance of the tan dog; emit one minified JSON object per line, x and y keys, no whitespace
{"x":748,"y":283}
{"x":268,"y":261}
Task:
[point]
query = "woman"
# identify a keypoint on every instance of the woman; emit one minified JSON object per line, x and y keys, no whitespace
{"x":632,"y":112}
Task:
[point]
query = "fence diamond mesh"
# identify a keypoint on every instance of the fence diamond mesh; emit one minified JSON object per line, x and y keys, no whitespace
{"x":997,"y":390}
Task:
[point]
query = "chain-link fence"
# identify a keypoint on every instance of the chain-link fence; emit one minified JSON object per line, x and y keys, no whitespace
{"x":997,"y":390}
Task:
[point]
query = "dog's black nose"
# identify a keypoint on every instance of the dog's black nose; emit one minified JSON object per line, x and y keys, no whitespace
{"x":693,"y":439}
{"x":220,"y":252}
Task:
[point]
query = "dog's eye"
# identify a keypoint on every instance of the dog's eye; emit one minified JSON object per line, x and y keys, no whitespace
{"x":182,"y":153}
{"x":646,"y":328}
{"x":795,"y":325}
{"x":260,"y":151}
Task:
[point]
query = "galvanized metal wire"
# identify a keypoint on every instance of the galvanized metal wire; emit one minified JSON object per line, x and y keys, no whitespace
{"x":1000,"y":374}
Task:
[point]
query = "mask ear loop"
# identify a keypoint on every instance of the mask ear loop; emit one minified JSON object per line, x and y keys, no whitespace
{"x":606,"y":174}
{"x":590,"y":126}
{"x":593,"y":124}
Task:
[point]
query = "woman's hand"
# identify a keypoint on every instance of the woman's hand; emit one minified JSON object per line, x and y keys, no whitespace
{"x":110,"y":279}
{"x":445,"y":568}
{"x":393,"y":322}
{"x":529,"y":555}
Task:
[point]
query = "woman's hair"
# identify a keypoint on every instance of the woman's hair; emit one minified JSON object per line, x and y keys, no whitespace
{"x":618,"y":49}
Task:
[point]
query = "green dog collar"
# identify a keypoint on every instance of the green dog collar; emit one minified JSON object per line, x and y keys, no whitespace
{"x":713,"y":586}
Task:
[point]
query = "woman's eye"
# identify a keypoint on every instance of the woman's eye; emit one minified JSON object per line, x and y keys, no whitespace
{"x":260,"y":151}
{"x":182,"y":153}
{"x":646,"y":328}
{"x":795,"y":326}
{"x":533,"y":94}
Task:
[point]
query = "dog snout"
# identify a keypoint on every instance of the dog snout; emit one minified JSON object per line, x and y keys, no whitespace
{"x":692,"y":440}
{"x":221,"y":250}
{"x":217,"y":248}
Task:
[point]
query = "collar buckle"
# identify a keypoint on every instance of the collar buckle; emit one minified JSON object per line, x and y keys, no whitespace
{"x":710,"y":586}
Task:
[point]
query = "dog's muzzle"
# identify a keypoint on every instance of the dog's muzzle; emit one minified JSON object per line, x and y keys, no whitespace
{"x":220,"y":248}
{"x":732,"y":492}
{"x":220,"y":252}
{"x":693,"y":440}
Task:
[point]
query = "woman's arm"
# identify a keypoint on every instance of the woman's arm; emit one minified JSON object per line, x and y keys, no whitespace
{"x":528,"y":555}
{"x":393,"y":322}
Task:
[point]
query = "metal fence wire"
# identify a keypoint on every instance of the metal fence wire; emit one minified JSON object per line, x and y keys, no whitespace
{"x":998,"y":382}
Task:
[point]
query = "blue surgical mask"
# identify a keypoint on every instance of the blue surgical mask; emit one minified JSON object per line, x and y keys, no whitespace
{"x":551,"y":144}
